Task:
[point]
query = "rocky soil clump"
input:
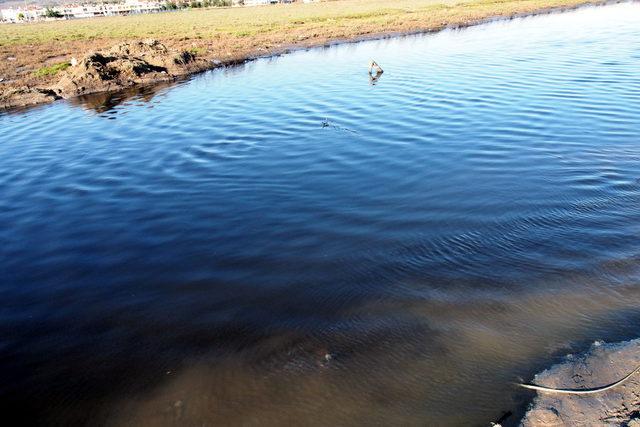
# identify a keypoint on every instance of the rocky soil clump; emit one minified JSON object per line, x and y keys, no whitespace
{"x":122,"y":66}
{"x":25,"y":96}
{"x":125,"y":65}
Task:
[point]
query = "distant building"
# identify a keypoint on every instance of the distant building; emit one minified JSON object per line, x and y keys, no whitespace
{"x":125,"y":7}
{"x":253,"y":2}
{"x":30,"y":13}
{"x":81,"y":10}
{"x":237,"y":3}
{"x":109,"y":9}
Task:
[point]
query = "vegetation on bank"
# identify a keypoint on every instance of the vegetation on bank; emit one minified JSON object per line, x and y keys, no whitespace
{"x":52,"y":70}
{"x":340,"y":18}
{"x":50,"y":13}
{"x":196,"y":4}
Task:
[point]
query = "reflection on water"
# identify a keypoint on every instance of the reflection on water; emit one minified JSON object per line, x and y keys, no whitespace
{"x":105,"y":102}
{"x":271,"y":245}
{"x":373,"y":78}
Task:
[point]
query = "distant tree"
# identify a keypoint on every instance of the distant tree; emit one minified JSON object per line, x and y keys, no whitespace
{"x":170,"y":5}
{"x":21,"y":16}
{"x":50,"y":13}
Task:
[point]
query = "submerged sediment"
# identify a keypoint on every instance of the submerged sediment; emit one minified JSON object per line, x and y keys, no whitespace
{"x":602,"y":364}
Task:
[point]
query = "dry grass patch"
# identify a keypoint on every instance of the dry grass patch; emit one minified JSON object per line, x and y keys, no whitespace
{"x":248,"y":22}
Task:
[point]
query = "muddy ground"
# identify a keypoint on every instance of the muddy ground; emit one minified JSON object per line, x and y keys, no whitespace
{"x":603,"y":364}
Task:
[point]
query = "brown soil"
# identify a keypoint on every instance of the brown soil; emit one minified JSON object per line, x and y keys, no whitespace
{"x":603,"y":364}
{"x":124,"y":65}
{"x":25,"y":96}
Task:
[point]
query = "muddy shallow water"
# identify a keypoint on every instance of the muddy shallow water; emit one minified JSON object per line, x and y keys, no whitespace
{"x":288,"y":242}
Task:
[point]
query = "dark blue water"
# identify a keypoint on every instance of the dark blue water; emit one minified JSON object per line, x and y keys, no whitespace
{"x":288,"y":242}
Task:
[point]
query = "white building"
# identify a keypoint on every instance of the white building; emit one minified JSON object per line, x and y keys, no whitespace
{"x":108,"y":9}
{"x":254,"y":2}
{"x":90,"y":10}
{"x":263,"y":2}
{"x":75,"y":10}
{"x":31,"y":13}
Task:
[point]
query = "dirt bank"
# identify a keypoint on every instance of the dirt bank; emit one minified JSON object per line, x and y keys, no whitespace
{"x":107,"y":65}
{"x":603,"y":364}
{"x":124,"y":65}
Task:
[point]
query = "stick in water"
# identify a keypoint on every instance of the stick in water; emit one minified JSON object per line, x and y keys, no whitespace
{"x":579,"y":390}
{"x":373,"y":66}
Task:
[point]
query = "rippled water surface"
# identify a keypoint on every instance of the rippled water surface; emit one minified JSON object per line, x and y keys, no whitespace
{"x":290,"y":243}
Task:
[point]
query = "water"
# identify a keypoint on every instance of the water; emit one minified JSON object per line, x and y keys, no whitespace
{"x":212,"y":254}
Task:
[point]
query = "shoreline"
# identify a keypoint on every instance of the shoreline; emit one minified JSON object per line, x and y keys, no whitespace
{"x":19,"y":93}
{"x":600,"y":365}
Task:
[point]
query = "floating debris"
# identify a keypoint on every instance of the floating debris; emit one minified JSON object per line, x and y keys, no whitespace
{"x":374,"y":68}
{"x":327,"y":124}
{"x":375,"y":71}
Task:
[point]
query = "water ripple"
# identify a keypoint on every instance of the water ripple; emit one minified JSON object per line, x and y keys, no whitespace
{"x":287,"y":228}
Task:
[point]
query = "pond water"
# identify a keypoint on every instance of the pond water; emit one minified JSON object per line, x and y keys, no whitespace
{"x":288,"y":242}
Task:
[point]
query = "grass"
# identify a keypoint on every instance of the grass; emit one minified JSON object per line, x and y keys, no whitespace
{"x":52,"y":70}
{"x":197,"y":51}
{"x":346,"y":16}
